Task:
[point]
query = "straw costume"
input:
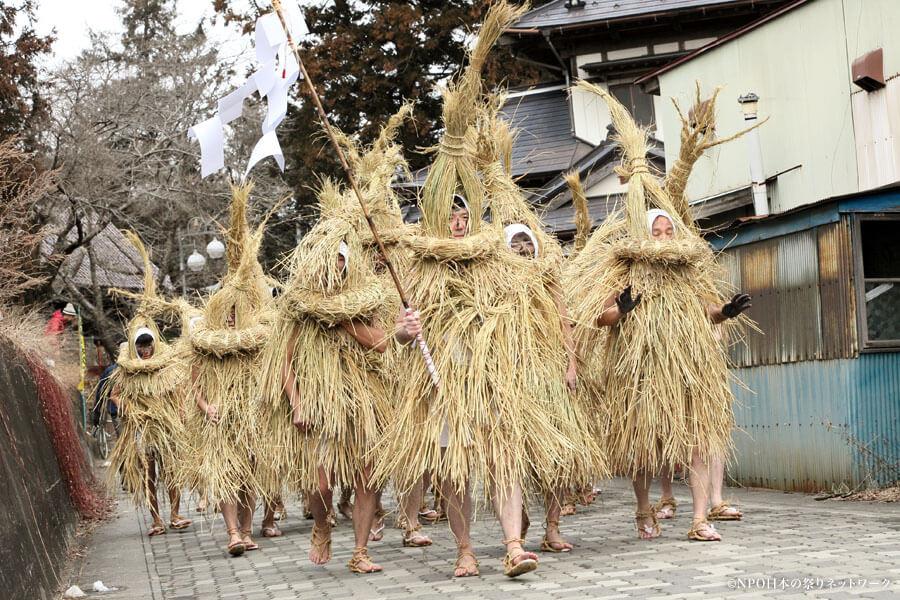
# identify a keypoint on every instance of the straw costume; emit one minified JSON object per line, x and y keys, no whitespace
{"x":150,"y":395}
{"x":542,"y":370}
{"x":225,"y":365}
{"x":661,"y":370}
{"x":474,"y":426}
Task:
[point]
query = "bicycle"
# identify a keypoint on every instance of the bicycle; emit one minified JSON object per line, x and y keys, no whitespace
{"x":101,"y":433}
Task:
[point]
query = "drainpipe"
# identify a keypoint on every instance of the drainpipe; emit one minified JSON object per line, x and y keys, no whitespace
{"x":565,"y":70}
{"x":748,"y":104}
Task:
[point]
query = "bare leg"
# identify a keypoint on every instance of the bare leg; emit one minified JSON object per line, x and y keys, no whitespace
{"x":319,"y":502}
{"x":150,"y":489}
{"x":666,"y":510}
{"x":230,"y":515}
{"x":459,"y":513}
{"x":700,"y":489}
{"x":376,"y":532}
{"x":344,"y":506}
{"x":641,"y":485}
{"x":363,"y":515}
{"x":508,"y":508}
{"x":716,"y":478}
{"x":245,"y":517}
{"x":412,"y":502}
{"x":553,"y":502}
{"x":269,"y":527}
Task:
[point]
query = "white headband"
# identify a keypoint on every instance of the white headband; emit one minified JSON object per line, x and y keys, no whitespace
{"x":344,"y":250}
{"x":654,"y":213}
{"x":516,"y":228}
{"x":139,"y":333}
{"x":193,"y":322}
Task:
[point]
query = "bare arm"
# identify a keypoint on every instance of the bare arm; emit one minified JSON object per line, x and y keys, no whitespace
{"x":715,"y":314}
{"x":289,"y":383}
{"x":372,"y":337}
{"x":566,"y":325}
{"x":210,"y":410}
{"x":611,"y":313}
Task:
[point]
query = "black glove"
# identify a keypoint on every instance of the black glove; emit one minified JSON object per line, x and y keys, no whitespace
{"x":625,"y":302}
{"x":738,"y":304}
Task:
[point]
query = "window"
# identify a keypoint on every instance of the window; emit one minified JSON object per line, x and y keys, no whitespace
{"x":638,"y":103}
{"x":878,"y":264}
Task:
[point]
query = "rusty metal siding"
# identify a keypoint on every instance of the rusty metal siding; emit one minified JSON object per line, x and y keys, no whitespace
{"x":838,"y":298}
{"x":816,"y":425}
{"x":874,"y":402}
{"x":803,"y":300}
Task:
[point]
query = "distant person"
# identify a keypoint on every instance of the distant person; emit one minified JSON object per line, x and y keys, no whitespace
{"x":54,"y":329}
{"x":104,"y":393}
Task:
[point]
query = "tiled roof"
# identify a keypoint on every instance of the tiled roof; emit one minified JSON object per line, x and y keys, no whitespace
{"x":544,"y":142}
{"x":556,"y":14}
{"x":118,"y":262}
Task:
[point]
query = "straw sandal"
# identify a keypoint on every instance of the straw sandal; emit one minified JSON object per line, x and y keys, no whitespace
{"x":645,"y":532}
{"x":270,"y":532}
{"x":475,"y":564}
{"x":568,"y":506}
{"x":548,"y":546}
{"x":178,"y":522}
{"x":250,"y":545}
{"x":669,"y":512}
{"x":702,"y":525}
{"x":413,"y":538}
{"x":429,"y":514}
{"x":719,"y":512}
{"x":321,"y":541}
{"x":360,"y":556}
{"x":238,"y":547}
{"x":527,"y":561}
{"x":376,"y":534}
{"x":331,"y":518}
{"x":157,"y":528}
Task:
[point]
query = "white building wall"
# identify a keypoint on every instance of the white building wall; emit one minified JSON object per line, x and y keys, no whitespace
{"x":798,"y":66}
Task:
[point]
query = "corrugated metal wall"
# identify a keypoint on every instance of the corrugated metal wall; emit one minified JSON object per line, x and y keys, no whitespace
{"x":803,"y":298}
{"x":813,"y":425}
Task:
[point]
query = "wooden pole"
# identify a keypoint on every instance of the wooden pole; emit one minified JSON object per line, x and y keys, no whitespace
{"x":435,"y":378}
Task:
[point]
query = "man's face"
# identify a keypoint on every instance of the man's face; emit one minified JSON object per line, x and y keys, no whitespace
{"x":341,"y":264}
{"x":459,"y":222}
{"x":230,"y":319}
{"x":145,"y":351}
{"x":662,"y":229}
{"x":522,"y":245}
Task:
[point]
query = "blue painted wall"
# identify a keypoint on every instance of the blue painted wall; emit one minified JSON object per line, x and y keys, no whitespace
{"x":814,"y":425}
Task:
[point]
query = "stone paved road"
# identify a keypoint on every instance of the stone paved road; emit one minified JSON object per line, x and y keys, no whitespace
{"x":788,"y":546}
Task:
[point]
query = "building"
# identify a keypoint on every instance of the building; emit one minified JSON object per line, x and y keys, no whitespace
{"x":821,"y":406}
{"x":610,"y":43}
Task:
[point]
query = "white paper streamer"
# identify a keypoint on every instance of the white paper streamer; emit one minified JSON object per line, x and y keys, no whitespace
{"x":232,"y":105}
{"x":212,"y":144}
{"x":269,"y":35}
{"x":295,"y":21}
{"x":266,"y":146}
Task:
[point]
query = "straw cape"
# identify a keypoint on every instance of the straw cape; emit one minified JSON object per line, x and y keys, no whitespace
{"x":466,"y":291}
{"x":542,"y":366}
{"x":150,"y":398}
{"x":661,"y":372}
{"x":339,"y":390}
{"x":224,"y":363}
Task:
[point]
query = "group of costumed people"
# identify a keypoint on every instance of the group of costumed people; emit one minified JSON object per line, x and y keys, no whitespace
{"x":556,"y":370}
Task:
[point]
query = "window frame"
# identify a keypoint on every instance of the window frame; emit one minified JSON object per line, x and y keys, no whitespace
{"x":859,"y":286}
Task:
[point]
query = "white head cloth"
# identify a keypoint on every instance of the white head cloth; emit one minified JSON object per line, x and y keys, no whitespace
{"x":344,"y":250}
{"x":138,"y":334}
{"x":652,"y":215}
{"x":512,"y":230}
{"x":193,"y":322}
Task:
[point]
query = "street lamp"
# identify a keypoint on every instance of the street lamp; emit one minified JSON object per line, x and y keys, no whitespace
{"x":196,"y":261}
{"x":215,"y":249}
